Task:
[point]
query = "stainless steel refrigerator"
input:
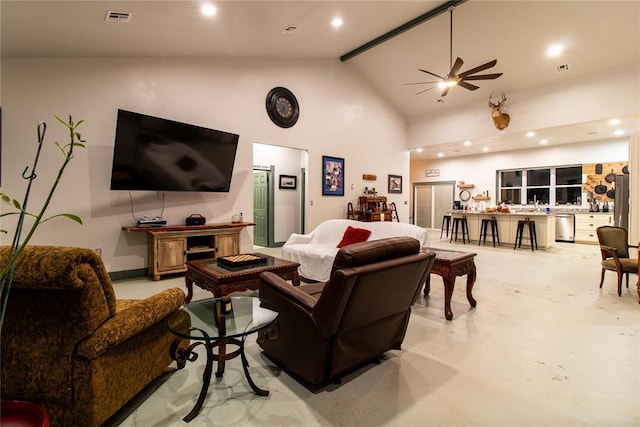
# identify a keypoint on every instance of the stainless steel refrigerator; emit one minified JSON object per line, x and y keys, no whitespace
{"x":621,"y":202}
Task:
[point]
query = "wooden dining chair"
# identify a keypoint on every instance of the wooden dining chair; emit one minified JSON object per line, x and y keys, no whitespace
{"x":614,"y":246}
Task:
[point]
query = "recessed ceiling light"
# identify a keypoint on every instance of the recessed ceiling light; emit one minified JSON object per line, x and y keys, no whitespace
{"x":614,"y":122}
{"x":208,"y":9}
{"x":419,"y":150}
{"x":485,"y":149}
{"x":619,"y":132}
{"x":543,"y":141}
{"x":555,"y":50}
{"x":336,"y":22}
{"x":531,"y":134}
{"x":467,"y":143}
{"x":440,"y":154}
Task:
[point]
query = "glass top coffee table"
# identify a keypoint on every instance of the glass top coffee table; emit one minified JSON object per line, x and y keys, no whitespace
{"x":210,"y":328}
{"x":221,"y":279}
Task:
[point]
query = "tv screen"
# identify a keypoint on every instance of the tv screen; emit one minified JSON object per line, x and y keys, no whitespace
{"x":155,"y":154}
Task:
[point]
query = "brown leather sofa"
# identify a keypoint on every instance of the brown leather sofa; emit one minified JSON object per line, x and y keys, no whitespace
{"x":70,"y":346}
{"x":325,"y":330}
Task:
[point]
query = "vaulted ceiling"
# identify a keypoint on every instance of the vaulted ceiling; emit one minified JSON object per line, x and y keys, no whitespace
{"x":597,"y":36}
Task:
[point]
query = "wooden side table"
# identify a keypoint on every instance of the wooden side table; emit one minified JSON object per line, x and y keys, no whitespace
{"x":449,"y":265}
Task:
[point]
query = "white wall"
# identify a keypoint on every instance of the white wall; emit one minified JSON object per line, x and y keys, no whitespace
{"x":339,"y":116}
{"x":481,"y":170}
{"x":286,"y":161}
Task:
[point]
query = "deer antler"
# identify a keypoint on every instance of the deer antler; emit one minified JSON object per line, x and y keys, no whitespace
{"x":499,"y":104}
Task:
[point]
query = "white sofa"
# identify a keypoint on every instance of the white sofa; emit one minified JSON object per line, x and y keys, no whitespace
{"x":315,"y":251}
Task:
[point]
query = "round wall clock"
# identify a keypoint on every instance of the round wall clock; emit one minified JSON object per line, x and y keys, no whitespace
{"x":282,"y":107}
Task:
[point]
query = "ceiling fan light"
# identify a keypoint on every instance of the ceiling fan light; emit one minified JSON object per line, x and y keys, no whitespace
{"x":451,"y":83}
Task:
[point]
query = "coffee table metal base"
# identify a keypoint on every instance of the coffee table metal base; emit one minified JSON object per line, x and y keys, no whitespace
{"x":188,"y":354}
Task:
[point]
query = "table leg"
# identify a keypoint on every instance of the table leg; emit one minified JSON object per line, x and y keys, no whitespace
{"x":471,"y":279}
{"x":222,"y":350}
{"x":189,"y":284}
{"x":427,"y":285}
{"x":206,"y":379}
{"x":296,"y":278}
{"x":245,"y":366}
{"x":449,"y":283}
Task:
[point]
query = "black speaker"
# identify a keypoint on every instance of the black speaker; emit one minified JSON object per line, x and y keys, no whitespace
{"x":195,"y":219}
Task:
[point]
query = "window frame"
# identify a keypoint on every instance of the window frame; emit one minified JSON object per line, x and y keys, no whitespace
{"x":551,"y":188}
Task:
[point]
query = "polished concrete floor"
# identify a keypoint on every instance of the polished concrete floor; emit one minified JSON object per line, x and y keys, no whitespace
{"x":544,"y":347}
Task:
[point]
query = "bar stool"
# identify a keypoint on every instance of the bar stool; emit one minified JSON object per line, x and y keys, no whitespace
{"x":532,"y":233}
{"x":460,"y":221}
{"x":446,"y":224}
{"x":484,"y":226}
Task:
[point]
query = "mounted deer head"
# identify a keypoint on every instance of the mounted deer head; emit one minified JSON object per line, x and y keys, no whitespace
{"x":500,"y":119}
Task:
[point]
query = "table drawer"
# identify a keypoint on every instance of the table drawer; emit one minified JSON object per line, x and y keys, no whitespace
{"x":586,"y":236}
{"x":591,"y":222}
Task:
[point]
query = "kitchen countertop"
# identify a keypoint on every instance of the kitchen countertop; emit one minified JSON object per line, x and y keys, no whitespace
{"x":523,"y":213}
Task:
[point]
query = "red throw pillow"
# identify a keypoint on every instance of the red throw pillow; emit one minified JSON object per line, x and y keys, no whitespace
{"x":354,"y":235}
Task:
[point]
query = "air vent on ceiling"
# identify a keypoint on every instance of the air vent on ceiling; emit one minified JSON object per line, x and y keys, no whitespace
{"x":113,"y":16}
{"x":289,"y":29}
{"x":562,"y":68}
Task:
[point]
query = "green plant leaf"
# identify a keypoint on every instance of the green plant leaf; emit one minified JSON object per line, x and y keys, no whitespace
{"x":72,"y":217}
{"x":64,"y":122}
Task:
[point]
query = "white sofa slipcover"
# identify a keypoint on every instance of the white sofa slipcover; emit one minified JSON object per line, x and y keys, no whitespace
{"x":315,"y":251}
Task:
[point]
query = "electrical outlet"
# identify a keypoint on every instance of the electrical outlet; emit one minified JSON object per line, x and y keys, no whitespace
{"x":99,"y":251}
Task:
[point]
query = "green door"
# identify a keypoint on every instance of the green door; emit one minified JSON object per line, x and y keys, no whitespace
{"x":261,"y":208}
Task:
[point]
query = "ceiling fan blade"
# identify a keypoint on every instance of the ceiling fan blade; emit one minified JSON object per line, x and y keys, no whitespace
{"x":419,"y":83}
{"x":423,"y":91}
{"x":429,"y":72}
{"x":466,"y":85}
{"x":456,"y":67}
{"x":479,"y":68}
{"x":483,"y":77}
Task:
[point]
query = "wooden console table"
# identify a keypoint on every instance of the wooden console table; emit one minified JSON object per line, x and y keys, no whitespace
{"x":449,"y":265}
{"x":171,"y":246}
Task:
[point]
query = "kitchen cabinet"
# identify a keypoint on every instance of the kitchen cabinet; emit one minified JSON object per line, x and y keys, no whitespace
{"x":587,"y":223}
{"x":508,"y":225}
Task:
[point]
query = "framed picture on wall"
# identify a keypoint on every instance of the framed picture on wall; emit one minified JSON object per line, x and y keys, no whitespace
{"x":288,"y":182}
{"x":333,"y":176}
{"x":395,"y":184}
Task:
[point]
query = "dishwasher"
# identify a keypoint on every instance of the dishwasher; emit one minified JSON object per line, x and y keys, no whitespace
{"x":565,"y":227}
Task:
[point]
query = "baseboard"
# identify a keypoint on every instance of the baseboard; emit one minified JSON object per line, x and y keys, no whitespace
{"x":128,"y":274}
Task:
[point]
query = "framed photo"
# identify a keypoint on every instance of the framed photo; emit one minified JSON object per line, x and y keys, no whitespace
{"x":333,"y":176}
{"x":395,"y":184}
{"x":288,"y":182}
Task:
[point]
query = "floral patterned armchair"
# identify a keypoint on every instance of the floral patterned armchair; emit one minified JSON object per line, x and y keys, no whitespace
{"x":70,"y":346}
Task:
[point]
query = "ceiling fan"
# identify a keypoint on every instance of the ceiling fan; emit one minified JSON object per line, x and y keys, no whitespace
{"x":454,"y":78}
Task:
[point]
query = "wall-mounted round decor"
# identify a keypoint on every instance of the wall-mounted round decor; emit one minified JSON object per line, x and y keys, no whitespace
{"x":282,"y":107}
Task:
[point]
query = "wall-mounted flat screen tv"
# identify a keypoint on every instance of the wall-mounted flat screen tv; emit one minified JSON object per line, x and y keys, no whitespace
{"x":156,"y":154}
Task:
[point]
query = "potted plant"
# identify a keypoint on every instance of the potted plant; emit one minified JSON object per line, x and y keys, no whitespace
{"x":20,"y":209}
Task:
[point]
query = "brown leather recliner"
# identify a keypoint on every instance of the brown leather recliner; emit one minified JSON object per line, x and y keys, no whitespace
{"x":70,"y":346}
{"x":327,"y":329}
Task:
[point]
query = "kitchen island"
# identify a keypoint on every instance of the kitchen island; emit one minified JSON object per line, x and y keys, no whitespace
{"x":508,"y":225}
